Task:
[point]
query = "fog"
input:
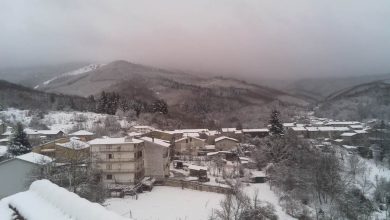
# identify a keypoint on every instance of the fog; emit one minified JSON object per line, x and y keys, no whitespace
{"x":278,"y":38}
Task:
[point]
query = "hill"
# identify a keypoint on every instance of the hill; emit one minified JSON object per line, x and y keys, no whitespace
{"x":17,"y":96}
{"x":193,"y":100}
{"x":364,"y":101}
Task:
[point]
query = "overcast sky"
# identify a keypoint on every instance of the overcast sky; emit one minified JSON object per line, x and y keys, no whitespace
{"x":270,"y":38}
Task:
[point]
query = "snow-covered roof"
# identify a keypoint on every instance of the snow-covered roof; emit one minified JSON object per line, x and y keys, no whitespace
{"x":348,"y":134}
{"x":212,"y":153}
{"x":357,"y":126}
{"x":35,"y":158}
{"x":229,"y":129}
{"x":249,"y":130}
{"x":49,"y":132}
{"x":312,"y":129}
{"x":46,"y":201}
{"x":186,"y":137}
{"x":143,"y":127}
{"x":195,"y":167}
{"x":361,"y":131}
{"x":74,"y":144}
{"x":133,"y":134}
{"x":156,"y":141}
{"x":224,"y":137}
{"x":3,"y":150}
{"x":200,"y":130}
{"x":108,"y":140}
{"x":349,"y":147}
{"x":343,"y":123}
{"x":82,"y":133}
{"x":288,"y":124}
{"x":333,"y":128}
{"x":209,"y":147}
{"x":191,"y":134}
{"x":298,"y":128}
{"x":7,"y":133}
{"x":339,"y":140}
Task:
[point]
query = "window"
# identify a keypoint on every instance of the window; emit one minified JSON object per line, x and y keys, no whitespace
{"x":186,"y":141}
{"x":110,"y":156}
{"x":108,"y":166}
{"x":108,"y":147}
{"x":190,"y":139}
{"x":109,"y":177}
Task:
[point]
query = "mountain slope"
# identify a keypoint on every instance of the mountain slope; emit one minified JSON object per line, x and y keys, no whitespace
{"x":17,"y":96}
{"x":192,"y":98}
{"x":364,"y":101}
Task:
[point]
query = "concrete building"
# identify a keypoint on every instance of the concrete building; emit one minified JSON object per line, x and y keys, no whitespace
{"x":120,"y":159}
{"x":16,"y":173}
{"x":189,"y":146}
{"x":224,"y":143}
{"x":83,"y":135}
{"x":156,"y":158}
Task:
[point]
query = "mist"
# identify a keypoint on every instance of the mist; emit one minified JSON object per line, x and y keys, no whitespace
{"x":280,"y":38}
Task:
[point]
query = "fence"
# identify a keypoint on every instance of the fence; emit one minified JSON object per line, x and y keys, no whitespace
{"x":197,"y":186}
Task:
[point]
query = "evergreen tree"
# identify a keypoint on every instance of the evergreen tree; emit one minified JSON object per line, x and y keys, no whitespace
{"x":102,"y":103}
{"x":19,"y":143}
{"x":160,"y":106}
{"x":276,"y":126}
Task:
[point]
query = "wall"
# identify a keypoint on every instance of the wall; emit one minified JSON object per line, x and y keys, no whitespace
{"x":15,"y":176}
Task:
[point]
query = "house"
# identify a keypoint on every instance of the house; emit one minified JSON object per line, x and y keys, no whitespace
{"x":49,"y":148}
{"x":73,"y":150}
{"x":156,"y":158}
{"x":120,"y":159}
{"x":44,"y":200}
{"x":256,"y":132}
{"x":142,"y":129}
{"x":197,"y":171}
{"x":165,"y":135}
{"x":16,"y":173}
{"x":224,"y":143}
{"x":228,"y":131}
{"x":188,"y":145}
{"x":83,"y":135}
{"x":51,"y":134}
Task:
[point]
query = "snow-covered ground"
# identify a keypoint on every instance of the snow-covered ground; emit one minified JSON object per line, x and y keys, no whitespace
{"x":173,"y":203}
{"x":79,"y":71}
{"x":167,"y":203}
{"x":60,"y":120}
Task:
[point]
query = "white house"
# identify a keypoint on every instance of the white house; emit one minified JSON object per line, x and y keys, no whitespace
{"x":120,"y":159}
{"x":16,"y":173}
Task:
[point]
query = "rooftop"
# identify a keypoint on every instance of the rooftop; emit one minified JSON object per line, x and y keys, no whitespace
{"x":41,"y":202}
{"x":156,"y":141}
{"x":35,"y":158}
{"x":82,"y":133}
{"x":108,"y":140}
{"x":224,"y":137}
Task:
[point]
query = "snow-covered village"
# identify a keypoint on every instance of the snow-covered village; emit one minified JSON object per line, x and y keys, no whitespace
{"x":194,"y":110}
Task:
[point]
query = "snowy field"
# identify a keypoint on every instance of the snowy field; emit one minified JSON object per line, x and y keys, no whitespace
{"x":173,"y":203}
{"x":60,"y":120}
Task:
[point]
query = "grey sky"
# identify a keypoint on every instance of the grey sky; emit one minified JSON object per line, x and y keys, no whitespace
{"x":251,"y":37}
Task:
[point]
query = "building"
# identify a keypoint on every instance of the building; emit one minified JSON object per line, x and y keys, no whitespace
{"x":17,"y":173}
{"x":189,"y":146}
{"x":256,"y":132}
{"x":72,"y":150}
{"x":83,"y":135}
{"x":224,"y":143}
{"x":142,"y":129}
{"x":156,"y":158}
{"x":44,"y":200}
{"x":120,"y":159}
